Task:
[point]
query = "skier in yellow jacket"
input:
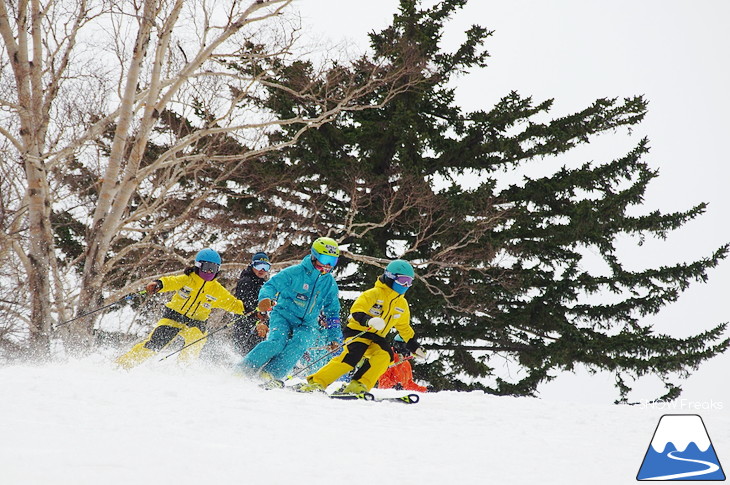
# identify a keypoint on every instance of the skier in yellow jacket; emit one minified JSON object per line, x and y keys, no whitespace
{"x":376,"y":312}
{"x":196,"y":293}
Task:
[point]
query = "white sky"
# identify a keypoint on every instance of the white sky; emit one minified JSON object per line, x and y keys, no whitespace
{"x":676,"y":54}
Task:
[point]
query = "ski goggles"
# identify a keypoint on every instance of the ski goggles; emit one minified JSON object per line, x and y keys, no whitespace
{"x":401,"y":279}
{"x":322,"y":268}
{"x":261,"y":265}
{"x":325,"y":259}
{"x":207,"y":266}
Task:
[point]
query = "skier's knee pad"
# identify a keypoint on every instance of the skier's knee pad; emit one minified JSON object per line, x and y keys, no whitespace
{"x":161,"y":336}
{"x":354,"y":353}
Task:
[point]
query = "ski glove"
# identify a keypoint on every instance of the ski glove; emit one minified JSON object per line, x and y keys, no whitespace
{"x":333,"y":322}
{"x":153,"y":287}
{"x":420,"y":353}
{"x":377,"y":323}
{"x":266,"y":305}
{"x":261,"y":329}
{"x":400,"y":347}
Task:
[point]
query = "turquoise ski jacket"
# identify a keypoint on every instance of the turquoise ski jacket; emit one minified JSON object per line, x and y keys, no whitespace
{"x":301,"y":293}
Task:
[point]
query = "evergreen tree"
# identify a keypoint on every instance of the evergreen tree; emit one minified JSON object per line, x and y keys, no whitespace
{"x":501,"y":272}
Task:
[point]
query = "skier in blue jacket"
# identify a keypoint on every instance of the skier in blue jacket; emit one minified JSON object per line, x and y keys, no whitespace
{"x":296,"y":296}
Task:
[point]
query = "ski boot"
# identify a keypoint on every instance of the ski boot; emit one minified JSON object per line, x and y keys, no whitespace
{"x":308,"y":387}
{"x":354,"y":388}
{"x":270,"y":382}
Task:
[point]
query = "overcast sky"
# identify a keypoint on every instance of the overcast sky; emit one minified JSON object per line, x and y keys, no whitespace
{"x":676,"y":54}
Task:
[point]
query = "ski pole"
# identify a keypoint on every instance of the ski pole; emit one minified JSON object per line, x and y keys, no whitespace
{"x":404,"y":359}
{"x":139,"y":311}
{"x":127,"y":297}
{"x":205,"y":336}
{"x":290,"y":376}
{"x":321,"y":347}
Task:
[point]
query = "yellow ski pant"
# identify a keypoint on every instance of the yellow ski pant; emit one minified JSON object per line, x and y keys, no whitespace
{"x":164,"y":332}
{"x":350,"y":356}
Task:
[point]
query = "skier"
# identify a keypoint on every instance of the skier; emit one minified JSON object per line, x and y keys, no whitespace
{"x":296,"y":296}
{"x":247,"y":332}
{"x":196,"y":293}
{"x":375,"y":312}
{"x":400,"y":374}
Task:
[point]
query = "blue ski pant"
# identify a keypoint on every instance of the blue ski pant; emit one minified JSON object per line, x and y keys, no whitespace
{"x":284,"y":346}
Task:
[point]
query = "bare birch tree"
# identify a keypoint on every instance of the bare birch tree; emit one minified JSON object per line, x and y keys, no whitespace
{"x":87,"y":88}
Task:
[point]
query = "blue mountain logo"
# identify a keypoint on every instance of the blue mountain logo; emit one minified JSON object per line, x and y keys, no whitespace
{"x":681,"y":450}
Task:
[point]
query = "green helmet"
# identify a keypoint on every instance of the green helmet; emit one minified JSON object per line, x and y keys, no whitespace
{"x":400,"y":267}
{"x":399,"y":275}
{"x":326,"y":251}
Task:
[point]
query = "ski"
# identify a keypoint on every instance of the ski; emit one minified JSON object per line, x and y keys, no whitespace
{"x":406,"y":399}
{"x":366,"y":396}
{"x":363,"y":396}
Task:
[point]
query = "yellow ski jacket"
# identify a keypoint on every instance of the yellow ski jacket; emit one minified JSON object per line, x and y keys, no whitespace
{"x":381,"y":301}
{"x":195,"y":297}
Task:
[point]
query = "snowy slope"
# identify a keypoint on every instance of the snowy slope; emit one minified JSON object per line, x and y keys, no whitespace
{"x":84,"y":422}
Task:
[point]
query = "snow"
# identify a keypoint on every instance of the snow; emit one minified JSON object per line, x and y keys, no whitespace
{"x":85,"y":422}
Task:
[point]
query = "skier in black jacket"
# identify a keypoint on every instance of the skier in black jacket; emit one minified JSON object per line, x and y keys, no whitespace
{"x":247,"y":332}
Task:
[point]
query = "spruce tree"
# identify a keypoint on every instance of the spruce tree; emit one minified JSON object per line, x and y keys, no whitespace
{"x":501,"y":272}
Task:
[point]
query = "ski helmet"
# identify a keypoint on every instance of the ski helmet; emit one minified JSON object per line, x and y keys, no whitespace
{"x":399,"y":273}
{"x":326,"y":252}
{"x":208,"y":263}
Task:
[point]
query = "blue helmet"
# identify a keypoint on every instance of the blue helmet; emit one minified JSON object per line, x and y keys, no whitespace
{"x":207,"y":264}
{"x":208,"y":255}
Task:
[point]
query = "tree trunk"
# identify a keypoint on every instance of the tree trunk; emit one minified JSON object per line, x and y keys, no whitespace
{"x":100,"y":235}
{"x":39,"y":255}
{"x":33,"y":123}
